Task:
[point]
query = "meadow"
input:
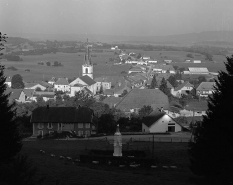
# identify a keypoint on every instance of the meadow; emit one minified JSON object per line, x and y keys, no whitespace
{"x":62,"y":171}
{"x":73,"y":62}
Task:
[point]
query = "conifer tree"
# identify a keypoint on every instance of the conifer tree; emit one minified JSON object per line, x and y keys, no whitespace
{"x":211,"y":151}
{"x":10,"y":142}
{"x":163,"y":87}
{"x":153,"y":84}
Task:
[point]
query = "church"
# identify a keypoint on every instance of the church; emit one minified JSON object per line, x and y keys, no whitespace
{"x":85,"y":82}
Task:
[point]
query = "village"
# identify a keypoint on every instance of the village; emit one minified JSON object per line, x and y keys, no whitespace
{"x":177,"y":101}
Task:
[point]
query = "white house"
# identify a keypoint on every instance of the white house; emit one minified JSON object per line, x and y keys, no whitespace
{"x":185,"y":88}
{"x":163,"y":68}
{"x":103,"y":82}
{"x":197,"y":61}
{"x":8,"y":81}
{"x":62,"y":84}
{"x":52,"y":80}
{"x":85,"y":81}
{"x":159,"y":122}
{"x":205,"y":89}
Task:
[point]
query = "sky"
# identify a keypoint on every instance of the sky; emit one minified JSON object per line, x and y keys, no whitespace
{"x":115,"y":17}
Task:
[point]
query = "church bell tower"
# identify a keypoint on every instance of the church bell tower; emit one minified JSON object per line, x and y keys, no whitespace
{"x":87,"y":67}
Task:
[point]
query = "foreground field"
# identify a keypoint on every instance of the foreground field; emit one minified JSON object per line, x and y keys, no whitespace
{"x":65,"y":172}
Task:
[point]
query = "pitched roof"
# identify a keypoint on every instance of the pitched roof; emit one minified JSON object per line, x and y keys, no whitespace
{"x":197,"y":106}
{"x":137,"y":98}
{"x":62,"y":115}
{"x":62,"y":81}
{"x":14,"y":93}
{"x":44,"y":94}
{"x":113,"y":79}
{"x":185,"y":84}
{"x":163,"y":67}
{"x":29,"y":92}
{"x":8,"y":79}
{"x":206,"y":86}
{"x":153,"y":117}
{"x":111,"y":101}
{"x":87,"y":79}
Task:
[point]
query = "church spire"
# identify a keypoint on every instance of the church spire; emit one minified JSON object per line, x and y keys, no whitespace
{"x":87,"y":56}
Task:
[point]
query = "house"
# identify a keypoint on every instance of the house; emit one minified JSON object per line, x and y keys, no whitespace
{"x":39,"y":85}
{"x":46,"y":120}
{"x":52,"y":81}
{"x":160,"y":68}
{"x":111,"y":101}
{"x":159,"y":122}
{"x":173,"y":111}
{"x":152,"y":61}
{"x":197,"y":61}
{"x":62,"y":84}
{"x":183,"y":89}
{"x":197,"y":108}
{"x":137,"y":98}
{"x":85,"y":81}
{"x":8,"y":81}
{"x":44,"y":94}
{"x":198,"y":70}
{"x":205,"y":89}
{"x":135,"y":69}
{"x":103,"y":81}
{"x":20,"y":95}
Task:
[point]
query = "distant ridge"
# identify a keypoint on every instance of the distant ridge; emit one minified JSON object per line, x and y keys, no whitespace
{"x":182,"y":39}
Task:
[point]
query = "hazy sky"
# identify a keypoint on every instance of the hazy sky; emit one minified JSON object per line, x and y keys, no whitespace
{"x":115,"y":17}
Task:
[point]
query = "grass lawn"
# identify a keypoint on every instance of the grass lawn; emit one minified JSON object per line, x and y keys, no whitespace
{"x":63,"y":171}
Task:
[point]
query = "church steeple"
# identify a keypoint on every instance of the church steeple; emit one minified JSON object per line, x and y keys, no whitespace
{"x":87,"y":56}
{"x":87,"y":67}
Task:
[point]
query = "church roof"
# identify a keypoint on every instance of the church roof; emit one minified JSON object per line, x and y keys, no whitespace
{"x":88,"y":80}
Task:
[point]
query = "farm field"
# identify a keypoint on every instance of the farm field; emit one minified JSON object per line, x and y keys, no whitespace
{"x":64,"y":172}
{"x":72,"y":66}
{"x":73,"y":61}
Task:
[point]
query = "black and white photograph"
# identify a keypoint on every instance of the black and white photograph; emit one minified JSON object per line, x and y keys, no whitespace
{"x":116,"y":92}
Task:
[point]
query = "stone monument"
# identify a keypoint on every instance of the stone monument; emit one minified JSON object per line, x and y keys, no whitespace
{"x":117,"y":143}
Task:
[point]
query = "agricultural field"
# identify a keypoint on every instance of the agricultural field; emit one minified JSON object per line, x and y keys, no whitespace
{"x":63,"y":171}
{"x":72,"y":66}
{"x":72,"y":63}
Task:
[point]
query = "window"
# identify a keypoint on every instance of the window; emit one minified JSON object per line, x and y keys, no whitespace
{"x":50,"y":126}
{"x":87,"y":133}
{"x":40,"y":126}
{"x":80,"y":125}
{"x":80,"y":133}
{"x":86,"y":70}
{"x":59,"y":126}
{"x":87,"y":125}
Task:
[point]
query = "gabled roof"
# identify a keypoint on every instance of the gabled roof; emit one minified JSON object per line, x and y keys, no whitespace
{"x":185,"y":84}
{"x":163,"y":67}
{"x":206,"y":86}
{"x":29,"y":92}
{"x":14,"y":93}
{"x":31,"y":84}
{"x":198,"y":70}
{"x":53,"y":79}
{"x":153,"y":117}
{"x":62,"y":115}
{"x":197,"y":106}
{"x":62,"y":81}
{"x":137,"y":98}
{"x":44,"y":94}
{"x":8,"y":79}
{"x":87,"y":79}
{"x":111,"y":101}
{"x":85,"y":89}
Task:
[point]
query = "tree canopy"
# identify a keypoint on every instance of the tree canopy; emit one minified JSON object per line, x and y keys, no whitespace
{"x":17,"y":82}
{"x":211,"y":150}
{"x":153,"y":84}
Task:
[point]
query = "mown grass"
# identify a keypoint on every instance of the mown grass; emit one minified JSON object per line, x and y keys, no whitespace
{"x":65,"y":172}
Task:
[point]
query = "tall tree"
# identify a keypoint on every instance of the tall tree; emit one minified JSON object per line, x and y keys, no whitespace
{"x":163,"y":87}
{"x":153,"y":84}
{"x":17,"y":82}
{"x":10,"y":140}
{"x":145,"y":111}
{"x":172,"y":81}
{"x":211,"y":150}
